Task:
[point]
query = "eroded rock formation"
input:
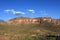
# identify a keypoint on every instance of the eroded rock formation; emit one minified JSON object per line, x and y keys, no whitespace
{"x":32,"y":20}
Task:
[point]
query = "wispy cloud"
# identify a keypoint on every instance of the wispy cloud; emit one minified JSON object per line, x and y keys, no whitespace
{"x":43,"y":13}
{"x":19,"y":12}
{"x":31,"y":11}
{"x":7,"y":10}
{"x":13,"y":11}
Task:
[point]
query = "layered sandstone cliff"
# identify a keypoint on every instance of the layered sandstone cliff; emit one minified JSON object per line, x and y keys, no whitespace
{"x":23,"y":20}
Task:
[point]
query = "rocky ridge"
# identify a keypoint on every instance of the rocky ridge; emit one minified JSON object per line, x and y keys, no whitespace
{"x":24,"y":20}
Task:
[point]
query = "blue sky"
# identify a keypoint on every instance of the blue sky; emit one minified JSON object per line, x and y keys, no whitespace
{"x":29,"y":8}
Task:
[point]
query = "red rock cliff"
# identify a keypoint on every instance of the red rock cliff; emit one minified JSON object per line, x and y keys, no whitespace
{"x":31,"y":20}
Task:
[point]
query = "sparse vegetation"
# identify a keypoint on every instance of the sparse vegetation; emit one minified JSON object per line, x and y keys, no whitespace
{"x":29,"y":31}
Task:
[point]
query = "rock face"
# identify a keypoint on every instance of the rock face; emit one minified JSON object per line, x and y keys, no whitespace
{"x":23,"y":21}
{"x":32,"y":20}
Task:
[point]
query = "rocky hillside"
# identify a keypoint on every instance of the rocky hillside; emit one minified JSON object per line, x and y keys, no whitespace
{"x":2,"y":22}
{"x":24,"y":20}
{"x":30,"y":29}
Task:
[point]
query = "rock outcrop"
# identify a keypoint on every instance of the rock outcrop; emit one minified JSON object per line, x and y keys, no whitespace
{"x":23,"y":20}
